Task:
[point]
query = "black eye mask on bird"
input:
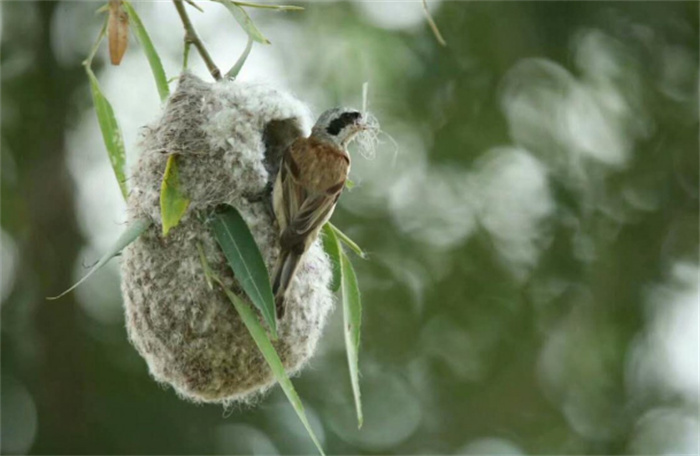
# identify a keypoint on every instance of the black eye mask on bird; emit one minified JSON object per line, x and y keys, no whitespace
{"x":344,"y":120}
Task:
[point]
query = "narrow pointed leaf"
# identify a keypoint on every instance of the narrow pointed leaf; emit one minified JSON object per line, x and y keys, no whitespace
{"x":150,"y":51}
{"x":245,"y":21}
{"x":111,"y":134}
{"x":173,"y":203}
{"x":347,"y":241}
{"x":332,"y":248}
{"x":352,"y":318}
{"x":266,"y":6}
{"x":132,"y":232}
{"x":244,"y":257}
{"x":349,"y":184}
{"x":117,"y":31}
{"x":273,"y":360}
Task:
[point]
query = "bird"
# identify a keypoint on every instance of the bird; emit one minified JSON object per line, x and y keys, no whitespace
{"x":311,"y":177}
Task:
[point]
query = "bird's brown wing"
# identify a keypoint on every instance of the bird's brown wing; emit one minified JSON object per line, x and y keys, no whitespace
{"x":310,"y":191}
{"x":312,"y":176}
{"x":312,"y":213}
{"x":305,"y":212}
{"x":288,"y":200}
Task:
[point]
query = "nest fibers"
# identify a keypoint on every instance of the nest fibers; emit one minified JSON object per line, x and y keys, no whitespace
{"x":190,"y":335}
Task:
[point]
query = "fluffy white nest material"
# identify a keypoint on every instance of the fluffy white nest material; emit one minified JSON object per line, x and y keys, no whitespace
{"x":190,"y":335}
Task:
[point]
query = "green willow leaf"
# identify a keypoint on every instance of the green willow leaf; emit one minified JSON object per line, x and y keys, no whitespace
{"x":352,"y":318}
{"x":273,"y":7}
{"x":347,"y":241}
{"x":111,"y":134}
{"x":244,"y":257}
{"x":132,"y":232}
{"x":150,"y":51}
{"x":268,"y":351}
{"x":245,"y":21}
{"x":173,"y":203}
{"x":332,"y":248}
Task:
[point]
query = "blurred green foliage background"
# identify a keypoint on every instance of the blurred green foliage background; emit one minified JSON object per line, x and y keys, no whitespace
{"x":533,"y":280}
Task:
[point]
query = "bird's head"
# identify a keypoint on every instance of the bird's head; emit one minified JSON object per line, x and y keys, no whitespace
{"x":339,"y":126}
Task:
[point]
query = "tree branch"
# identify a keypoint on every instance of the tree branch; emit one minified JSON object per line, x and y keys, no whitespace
{"x":192,"y":37}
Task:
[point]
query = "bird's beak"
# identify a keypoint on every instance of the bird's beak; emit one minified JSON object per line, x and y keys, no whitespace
{"x":361,"y":124}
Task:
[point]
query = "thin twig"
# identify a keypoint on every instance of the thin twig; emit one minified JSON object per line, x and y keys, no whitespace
{"x":186,"y":54}
{"x":192,"y":37}
{"x":433,"y":25}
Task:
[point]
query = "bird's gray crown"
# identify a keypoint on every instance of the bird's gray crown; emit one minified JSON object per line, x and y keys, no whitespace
{"x":338,"y":125}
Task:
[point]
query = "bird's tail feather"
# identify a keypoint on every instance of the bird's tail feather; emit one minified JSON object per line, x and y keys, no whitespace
{"x":285,"y":268}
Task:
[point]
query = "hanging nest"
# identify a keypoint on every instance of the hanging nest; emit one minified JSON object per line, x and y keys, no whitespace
{"x":228,"y":136}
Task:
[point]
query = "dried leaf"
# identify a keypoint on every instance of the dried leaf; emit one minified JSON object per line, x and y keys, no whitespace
{"x":117,"y":31}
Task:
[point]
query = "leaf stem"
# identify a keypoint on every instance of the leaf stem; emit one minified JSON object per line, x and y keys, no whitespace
{"x":433,"y":25}
{"x":236,"y":68}
{"x":88,"y":61}
{"x":192,"y":37}
{"x":347,"y":241}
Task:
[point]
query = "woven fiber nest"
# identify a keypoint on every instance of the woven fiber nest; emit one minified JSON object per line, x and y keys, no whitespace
{"x":190,"y":335}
